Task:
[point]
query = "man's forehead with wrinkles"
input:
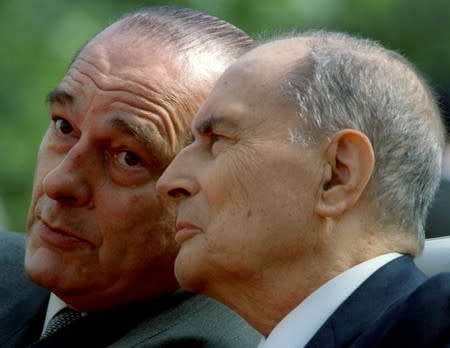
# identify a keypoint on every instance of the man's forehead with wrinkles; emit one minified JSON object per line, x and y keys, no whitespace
{"x":118,"y":49}
{"x":120,"y":64}
{"x":144,"y":78}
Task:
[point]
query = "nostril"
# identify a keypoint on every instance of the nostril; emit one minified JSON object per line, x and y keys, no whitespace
{"x":65,"y":199}
{"x":178,"y":193}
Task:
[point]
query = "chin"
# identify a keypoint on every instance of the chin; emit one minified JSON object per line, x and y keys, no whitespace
{"x":189,"y":276}
{"x":44,"y":267}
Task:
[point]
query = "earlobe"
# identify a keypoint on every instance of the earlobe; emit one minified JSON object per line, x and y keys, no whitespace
{"x":349,"y":166}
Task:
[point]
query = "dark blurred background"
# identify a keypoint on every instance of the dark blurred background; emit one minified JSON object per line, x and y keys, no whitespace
{"x":39,"y":38}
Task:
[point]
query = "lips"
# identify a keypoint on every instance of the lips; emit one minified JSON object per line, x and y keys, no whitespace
{"x":59,"y":237}
{"x":185,"y":231}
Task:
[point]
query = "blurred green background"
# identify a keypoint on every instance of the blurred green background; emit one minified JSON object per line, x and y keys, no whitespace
{"x":39,"y":38}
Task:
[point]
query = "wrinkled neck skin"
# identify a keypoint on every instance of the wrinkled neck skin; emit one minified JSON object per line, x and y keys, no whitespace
{"x":266,"y":297}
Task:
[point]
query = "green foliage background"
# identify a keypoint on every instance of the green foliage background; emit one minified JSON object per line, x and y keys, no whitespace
{"x":39,"y":38}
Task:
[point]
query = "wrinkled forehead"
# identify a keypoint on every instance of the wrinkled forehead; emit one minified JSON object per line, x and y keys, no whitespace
{"x":186,"y":76}
{"x":120,"y":60}
{"x":115,"y":74}
{"x":116,"y":52}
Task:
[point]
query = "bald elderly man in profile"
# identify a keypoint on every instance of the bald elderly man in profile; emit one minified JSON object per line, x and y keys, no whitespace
{"x":99,"y":250}
{"x":303,"y":195}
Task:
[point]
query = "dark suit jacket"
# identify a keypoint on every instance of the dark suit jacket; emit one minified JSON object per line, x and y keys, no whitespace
{"x":395,"y":307}
{"x":179,"y":320}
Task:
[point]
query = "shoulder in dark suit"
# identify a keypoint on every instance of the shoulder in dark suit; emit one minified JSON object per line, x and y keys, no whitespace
{"x":421,"y":320}
{"x":391,"y":304}
{"x":22,"y":304}
{"x":179,"y":320}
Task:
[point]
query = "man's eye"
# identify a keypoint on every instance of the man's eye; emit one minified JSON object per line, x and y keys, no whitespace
{"x":129,"y":159}
{"x":218,"y":143}
{"x":63,"y":126}
{"x":216,"y":137}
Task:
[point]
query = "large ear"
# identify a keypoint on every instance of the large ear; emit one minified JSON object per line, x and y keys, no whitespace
{"x":350,"y":163}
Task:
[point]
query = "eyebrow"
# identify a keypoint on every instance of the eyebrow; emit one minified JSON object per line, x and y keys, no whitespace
{"x":60,"y":96}
{"x":144,"y":135}
{"x":208,"y":124}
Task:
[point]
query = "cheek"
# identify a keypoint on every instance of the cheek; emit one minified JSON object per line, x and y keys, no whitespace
{"x":139,"y":226}
{"x":231,"y":242}
{"x":46,"y":161}
{"x":43,"y":167}
{"x":259,"y":211}
{"x":234,"y":200}
{"x":228,"y":187}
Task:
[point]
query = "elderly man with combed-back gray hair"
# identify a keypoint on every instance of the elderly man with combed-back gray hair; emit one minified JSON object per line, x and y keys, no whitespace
{"x":303,"y":195}
{"x":99,"y":248}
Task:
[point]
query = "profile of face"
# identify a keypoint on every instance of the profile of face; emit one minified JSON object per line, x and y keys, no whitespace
{"x":99,"y":235}
{"x":246,"y":193}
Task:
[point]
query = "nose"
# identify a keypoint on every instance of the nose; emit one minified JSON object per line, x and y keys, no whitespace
{"x":67,"y":182}
{"x":178,"y":180}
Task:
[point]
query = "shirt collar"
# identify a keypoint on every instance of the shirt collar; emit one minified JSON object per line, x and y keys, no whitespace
{"x":300,"y":325}
{"x":55,"y":304}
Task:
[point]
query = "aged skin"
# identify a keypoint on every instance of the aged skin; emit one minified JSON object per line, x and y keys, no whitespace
{"x":243,"y":165}
{"x":252,"y":200}
{"x":99,"y":235}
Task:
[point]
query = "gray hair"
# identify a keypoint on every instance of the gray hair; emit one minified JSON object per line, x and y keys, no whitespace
{"x":188,"y":29}
{"x":347,"y":82}
{"x":208,"y":42}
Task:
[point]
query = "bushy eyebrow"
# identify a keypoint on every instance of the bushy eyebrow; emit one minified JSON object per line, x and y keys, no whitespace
{"x":144,"y":135}
{"x":60,"y":96}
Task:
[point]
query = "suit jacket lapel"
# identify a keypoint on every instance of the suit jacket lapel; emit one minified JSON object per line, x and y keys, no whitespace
{"x":381,"y":290}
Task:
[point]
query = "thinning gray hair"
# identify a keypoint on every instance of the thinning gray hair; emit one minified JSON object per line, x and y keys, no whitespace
{"x":347,"y":82}
{"x":188,"y":30}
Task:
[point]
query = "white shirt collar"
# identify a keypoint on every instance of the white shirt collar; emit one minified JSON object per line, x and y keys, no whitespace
{"x":55,"y":304}
{"x":300,"y":325}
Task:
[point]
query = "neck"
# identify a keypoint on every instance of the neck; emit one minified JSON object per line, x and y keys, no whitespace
{"x":266,"y":297}
{"x":262,"y":305}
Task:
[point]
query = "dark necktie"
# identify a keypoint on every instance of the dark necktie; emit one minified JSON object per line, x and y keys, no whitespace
{"x":61,"y":319}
